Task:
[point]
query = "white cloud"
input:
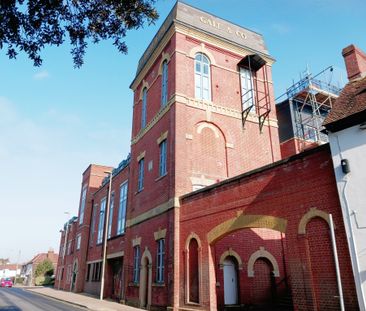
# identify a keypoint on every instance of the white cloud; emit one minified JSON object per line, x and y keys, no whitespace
{"x":41,"y":75}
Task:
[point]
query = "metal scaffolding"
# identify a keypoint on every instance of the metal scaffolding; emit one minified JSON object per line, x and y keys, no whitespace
{"x":311,"y":99}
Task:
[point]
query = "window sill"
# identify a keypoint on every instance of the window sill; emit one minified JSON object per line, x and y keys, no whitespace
{"x":193,"y":304}
{"x":138,"y":191}
{"x":161,"y":177}
{"x":118,"y":235}
{"x":158,"y":284}
{"x":132,"y":284}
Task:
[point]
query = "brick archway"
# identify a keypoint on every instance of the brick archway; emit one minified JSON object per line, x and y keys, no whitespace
{"x":202,"y":49}
{"x":164,"y":57}
{"x":246,"y":221}
{"x":232,"y":253}
{"x":262,"y":253}
{"x":312,"y":213}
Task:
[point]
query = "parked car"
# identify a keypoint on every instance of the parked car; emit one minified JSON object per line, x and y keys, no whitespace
{"x":6,"y":282}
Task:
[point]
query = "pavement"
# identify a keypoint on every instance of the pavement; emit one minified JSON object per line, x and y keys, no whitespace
{"x":81,"y":300}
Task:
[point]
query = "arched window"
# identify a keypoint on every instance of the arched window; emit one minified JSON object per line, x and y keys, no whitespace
{"x":143,"y":110}
{"x":193,"y":275}
{"x":164,"y":83}
{"x":202,"y":77}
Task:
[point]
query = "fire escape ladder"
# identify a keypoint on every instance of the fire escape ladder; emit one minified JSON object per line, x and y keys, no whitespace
{"x":246,"y":98}
{"x":258,"y":94}
{"x":264,"y":104}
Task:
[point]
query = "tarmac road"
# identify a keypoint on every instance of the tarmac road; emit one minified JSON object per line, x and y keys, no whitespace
{"x":18,"y":299}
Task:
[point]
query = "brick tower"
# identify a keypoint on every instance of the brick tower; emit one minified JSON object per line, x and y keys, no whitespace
{"x":203,"y":112}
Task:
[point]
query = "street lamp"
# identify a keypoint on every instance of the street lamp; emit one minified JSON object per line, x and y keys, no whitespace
{"x":106,"y":234}
{"x":64,"y":249}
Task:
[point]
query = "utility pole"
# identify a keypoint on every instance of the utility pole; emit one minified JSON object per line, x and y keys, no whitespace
{"x":106,"y":222}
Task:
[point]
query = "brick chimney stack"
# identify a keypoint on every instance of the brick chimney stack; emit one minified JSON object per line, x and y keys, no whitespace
{"x":355,"y":60}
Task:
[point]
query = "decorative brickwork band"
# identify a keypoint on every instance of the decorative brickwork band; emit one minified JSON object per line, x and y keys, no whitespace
{"x":262,"y":253}
{"x":308,"y":216}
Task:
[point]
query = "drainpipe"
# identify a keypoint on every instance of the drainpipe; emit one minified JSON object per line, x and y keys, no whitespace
{"x":105,"y":236}
{"x":336,"y":262}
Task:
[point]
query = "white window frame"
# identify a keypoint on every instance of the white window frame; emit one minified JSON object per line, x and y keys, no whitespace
{"x":121,"y":224}
{"x":247,"y":89}
{"x":92,"y":229}
{"x":202,"y":71}
{"x":82,"y":205}
{"x":143,"y":108}
{"x":110,"y":220}
{"x":69,"y":248}
{"x":78,"y":241}
{"x":140,"y":180}
{"x":164,"y":83}
{"x":163,"y":158}
{"x":101,"y":220}
{"x":136,"y":264}
{"x":160,"y":261}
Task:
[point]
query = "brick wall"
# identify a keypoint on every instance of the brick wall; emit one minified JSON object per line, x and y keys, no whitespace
{"x":294,"y":146}
{"x":288,"y":190}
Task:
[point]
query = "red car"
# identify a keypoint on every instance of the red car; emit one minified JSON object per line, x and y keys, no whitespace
{"x":7,"y":282}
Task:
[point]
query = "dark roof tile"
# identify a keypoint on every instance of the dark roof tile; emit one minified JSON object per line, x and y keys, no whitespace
{"x":350,"y":103}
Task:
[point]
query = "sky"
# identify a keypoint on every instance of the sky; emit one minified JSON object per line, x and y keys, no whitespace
{"x":55,"y":120}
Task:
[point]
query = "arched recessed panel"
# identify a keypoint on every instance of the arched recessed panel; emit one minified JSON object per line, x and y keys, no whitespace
{"x":312,"y":213}
{"x":262,"y":253}
{"x":209,"y":146}
{"x":193,"y":275}
{"x":193,"y":236}
{"x":145,"y":279}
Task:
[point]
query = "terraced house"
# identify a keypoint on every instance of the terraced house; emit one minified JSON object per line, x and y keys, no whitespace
{"x":204,"y":214}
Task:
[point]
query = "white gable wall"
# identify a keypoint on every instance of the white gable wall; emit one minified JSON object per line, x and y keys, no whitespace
{"x":350,"y":144}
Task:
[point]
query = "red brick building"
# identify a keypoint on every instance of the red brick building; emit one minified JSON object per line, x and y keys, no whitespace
{"x":204,"y":113}
{"x":29,"y":269}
